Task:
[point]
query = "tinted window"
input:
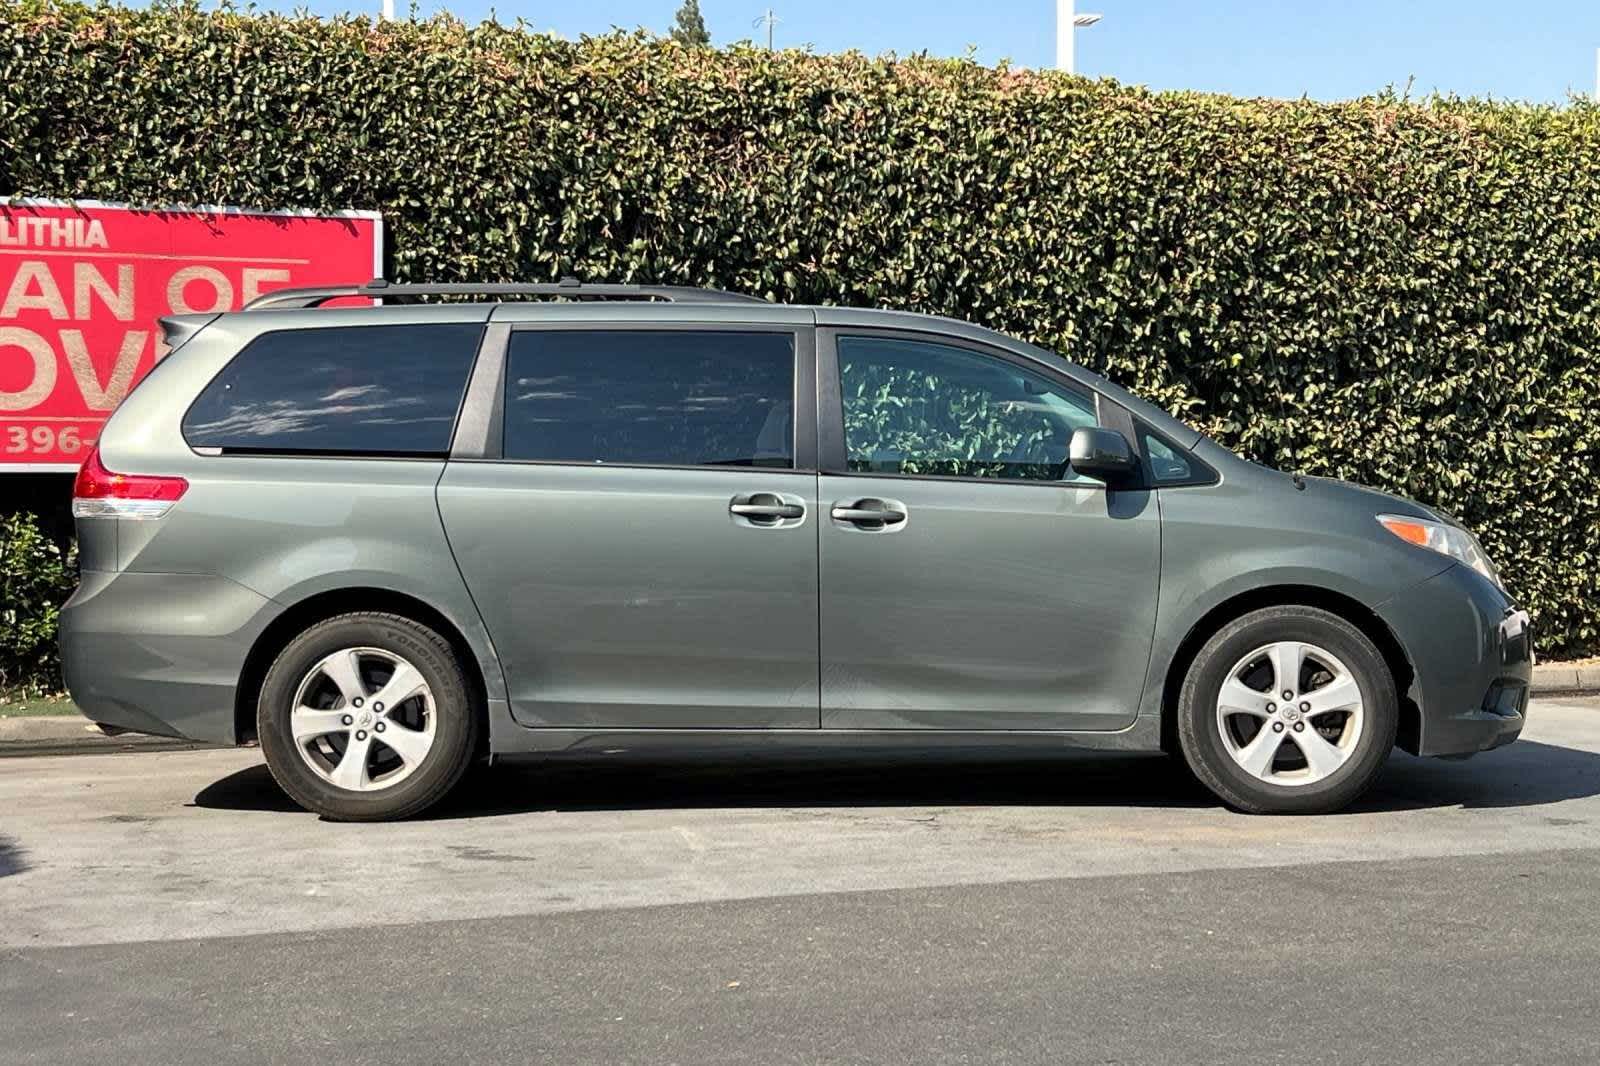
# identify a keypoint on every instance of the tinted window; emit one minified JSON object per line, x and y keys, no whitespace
{"x":1167,"y":463}
{"x":382,"y":390}
{"x":914,"y":407}
{"x":667,"y":397}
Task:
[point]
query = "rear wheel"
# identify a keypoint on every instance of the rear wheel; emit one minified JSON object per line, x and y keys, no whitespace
{"x":1288,"y":710}
{"x":367,"y":717}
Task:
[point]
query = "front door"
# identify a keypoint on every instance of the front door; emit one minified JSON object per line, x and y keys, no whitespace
{"x":970,"y":579}
{"x":643,"y":548}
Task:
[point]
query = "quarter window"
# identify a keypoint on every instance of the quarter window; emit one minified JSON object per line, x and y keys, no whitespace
{"x":920,"y":408}
{"x":339,"y":390}
{"x":651,"y":397}
{"x":1167,"y":464}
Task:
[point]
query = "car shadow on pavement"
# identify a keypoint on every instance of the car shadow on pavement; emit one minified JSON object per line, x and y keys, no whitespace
{"x":1526,"y":774}
{"x":1065,"y":779}
{"x":11,"y":857}
{"x":639,"y":782}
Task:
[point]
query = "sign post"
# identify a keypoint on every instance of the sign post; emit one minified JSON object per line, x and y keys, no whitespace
{"x":82,"y":284}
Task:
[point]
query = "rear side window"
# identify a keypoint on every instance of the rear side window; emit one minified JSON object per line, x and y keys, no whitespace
{"x":650,"y":397}
{"x":339,"y":390}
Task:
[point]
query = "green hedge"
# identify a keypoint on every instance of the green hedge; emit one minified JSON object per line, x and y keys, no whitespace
{"x":36,"y":577}
{"x":1405,"y":294}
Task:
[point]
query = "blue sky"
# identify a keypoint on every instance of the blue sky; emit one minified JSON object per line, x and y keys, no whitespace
{"x":1528,"y":50}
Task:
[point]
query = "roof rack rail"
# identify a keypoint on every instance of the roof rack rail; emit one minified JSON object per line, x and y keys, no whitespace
{"x":570,"y":288}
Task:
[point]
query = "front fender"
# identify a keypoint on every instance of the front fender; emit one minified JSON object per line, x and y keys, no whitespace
{"x":1255,"y":534}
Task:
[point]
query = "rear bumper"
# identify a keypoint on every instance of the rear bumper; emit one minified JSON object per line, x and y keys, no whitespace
{"x":1471,"y":649}
{"x":159,"y":653}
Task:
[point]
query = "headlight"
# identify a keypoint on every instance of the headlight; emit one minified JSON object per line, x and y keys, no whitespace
{"x":1445,"y":539}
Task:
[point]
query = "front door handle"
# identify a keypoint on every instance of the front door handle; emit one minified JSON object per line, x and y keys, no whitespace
{"x":867,"y":514}
{"x":872,"y":515}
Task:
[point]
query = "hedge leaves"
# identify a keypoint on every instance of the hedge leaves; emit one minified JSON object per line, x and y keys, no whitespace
{"x":1403,"y":294}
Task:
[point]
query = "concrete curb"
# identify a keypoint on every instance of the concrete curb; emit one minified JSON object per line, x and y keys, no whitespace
{"x":70,"y":734}
{"x":46,"y":727}
{"x":1565,"y":680}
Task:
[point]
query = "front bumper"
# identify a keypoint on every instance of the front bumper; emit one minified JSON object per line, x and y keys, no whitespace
{"x":1471,"y":650}
{"x":159,"y":653}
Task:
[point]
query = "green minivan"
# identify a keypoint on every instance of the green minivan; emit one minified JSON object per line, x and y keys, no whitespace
{"x":386,"y":541}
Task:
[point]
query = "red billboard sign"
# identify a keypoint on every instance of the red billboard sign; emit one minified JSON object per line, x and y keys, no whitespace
{"x":81,"y":287}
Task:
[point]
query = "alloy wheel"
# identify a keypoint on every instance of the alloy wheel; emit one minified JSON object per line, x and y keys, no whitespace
{"x":1290,"y":713}
{"x":363,"y":719}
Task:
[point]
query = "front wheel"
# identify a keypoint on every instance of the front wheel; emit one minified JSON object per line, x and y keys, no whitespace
{"x":1288,"y":710}
{"x":367,"y":717}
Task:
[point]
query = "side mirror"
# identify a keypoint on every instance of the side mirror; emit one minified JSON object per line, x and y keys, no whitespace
{"x":1103,"y":454}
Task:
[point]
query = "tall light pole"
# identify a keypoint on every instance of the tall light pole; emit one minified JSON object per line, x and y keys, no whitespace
{"x":1067,"y":23}
{"x":388,"y":9}
{"x":769,"y":20}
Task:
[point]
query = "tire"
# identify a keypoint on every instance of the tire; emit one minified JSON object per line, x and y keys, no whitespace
{"x":328,"y":684}
{"x":1318,"y":751}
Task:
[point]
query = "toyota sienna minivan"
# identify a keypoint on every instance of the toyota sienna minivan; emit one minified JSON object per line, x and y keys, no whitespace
{"x":388,"y":540}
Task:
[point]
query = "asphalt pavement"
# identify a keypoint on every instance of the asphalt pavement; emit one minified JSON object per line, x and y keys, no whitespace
{"x":173,"y":907}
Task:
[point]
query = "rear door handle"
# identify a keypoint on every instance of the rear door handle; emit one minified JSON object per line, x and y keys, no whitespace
{"x":872,"y":515}
{"x":767,"y":510}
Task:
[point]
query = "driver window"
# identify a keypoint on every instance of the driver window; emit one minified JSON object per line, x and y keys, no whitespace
{"x":934,"y":410}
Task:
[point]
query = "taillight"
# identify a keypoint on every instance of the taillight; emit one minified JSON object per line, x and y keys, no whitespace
{"x":99,"y":493}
